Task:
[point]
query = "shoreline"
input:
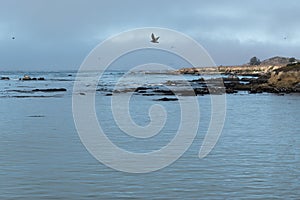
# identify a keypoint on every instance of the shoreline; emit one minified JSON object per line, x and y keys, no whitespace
{"x":234,"y":79}
{"x":271,"y":79}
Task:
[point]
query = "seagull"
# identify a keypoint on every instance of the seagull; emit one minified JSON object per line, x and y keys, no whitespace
{"x":154,"y":39}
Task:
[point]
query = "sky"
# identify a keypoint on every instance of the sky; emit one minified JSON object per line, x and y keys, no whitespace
{"x":59,"y":34}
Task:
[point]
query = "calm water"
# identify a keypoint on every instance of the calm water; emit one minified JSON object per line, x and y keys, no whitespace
{"x":42,"y":157}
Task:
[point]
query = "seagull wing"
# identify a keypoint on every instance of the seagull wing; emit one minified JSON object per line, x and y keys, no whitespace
{"x":153,"y":37}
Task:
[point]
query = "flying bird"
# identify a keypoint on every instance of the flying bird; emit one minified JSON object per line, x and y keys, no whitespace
{"x":154,"y":39}
{"x":13,"y":38}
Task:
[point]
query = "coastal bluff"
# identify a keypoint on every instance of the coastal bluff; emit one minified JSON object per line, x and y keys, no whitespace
{"x":286,"y":77}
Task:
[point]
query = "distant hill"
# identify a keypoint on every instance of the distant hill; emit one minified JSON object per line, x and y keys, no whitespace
{"x":277,"y":61}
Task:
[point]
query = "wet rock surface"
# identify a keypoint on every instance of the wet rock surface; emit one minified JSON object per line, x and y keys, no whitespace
{"x":50,"y":90}
{"x":40,"y":90}
{"x":5,"y":78}
{"x":166,"y":99}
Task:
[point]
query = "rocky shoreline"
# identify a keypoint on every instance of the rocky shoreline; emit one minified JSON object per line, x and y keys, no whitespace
{"x":219,"y":80}
{"x":251,"y":79}
{"x":243,"y":70}
{"x":255,"y":79}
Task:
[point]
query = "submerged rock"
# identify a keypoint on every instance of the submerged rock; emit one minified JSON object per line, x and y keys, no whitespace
{"x":166,"y":99}
{"x":164,"y":91}
{"x":36,"y":116}
{"x":5,"y":78}
{"x":50,"y":90}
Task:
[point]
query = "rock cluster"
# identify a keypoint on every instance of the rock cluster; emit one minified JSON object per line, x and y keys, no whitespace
{"x":28,"y":78}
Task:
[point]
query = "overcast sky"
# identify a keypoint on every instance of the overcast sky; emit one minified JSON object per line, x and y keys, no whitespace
{"x":59,"y":34}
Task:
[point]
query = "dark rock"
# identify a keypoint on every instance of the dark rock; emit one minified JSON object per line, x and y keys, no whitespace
{"x":165,"y":92}
{"x":4,"y":78}
{"x":142,"y":91}
{"x":41,"y":79}
{"x":231,"y":78}
{"x":250,"y":74}
{"x":238,"y":86}
{"x":297,"y":87}
{"x":198,"y":80}
{"x":148,"y":94}
{"x":167,"y":99}
{"x":230,"y":91}
{"x":262,"y":79}
{"x":247,"y":79}
{"x":102,"y":90}
{"x":201,"y":91}
{"x":141,"y":88}
{"x":255,"y":90}
{"x":50,"y":90}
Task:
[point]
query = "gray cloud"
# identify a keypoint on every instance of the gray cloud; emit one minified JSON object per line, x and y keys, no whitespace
{"x":60,"y":34}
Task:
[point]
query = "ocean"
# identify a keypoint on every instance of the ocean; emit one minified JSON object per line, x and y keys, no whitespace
{"x":257,"y":155}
